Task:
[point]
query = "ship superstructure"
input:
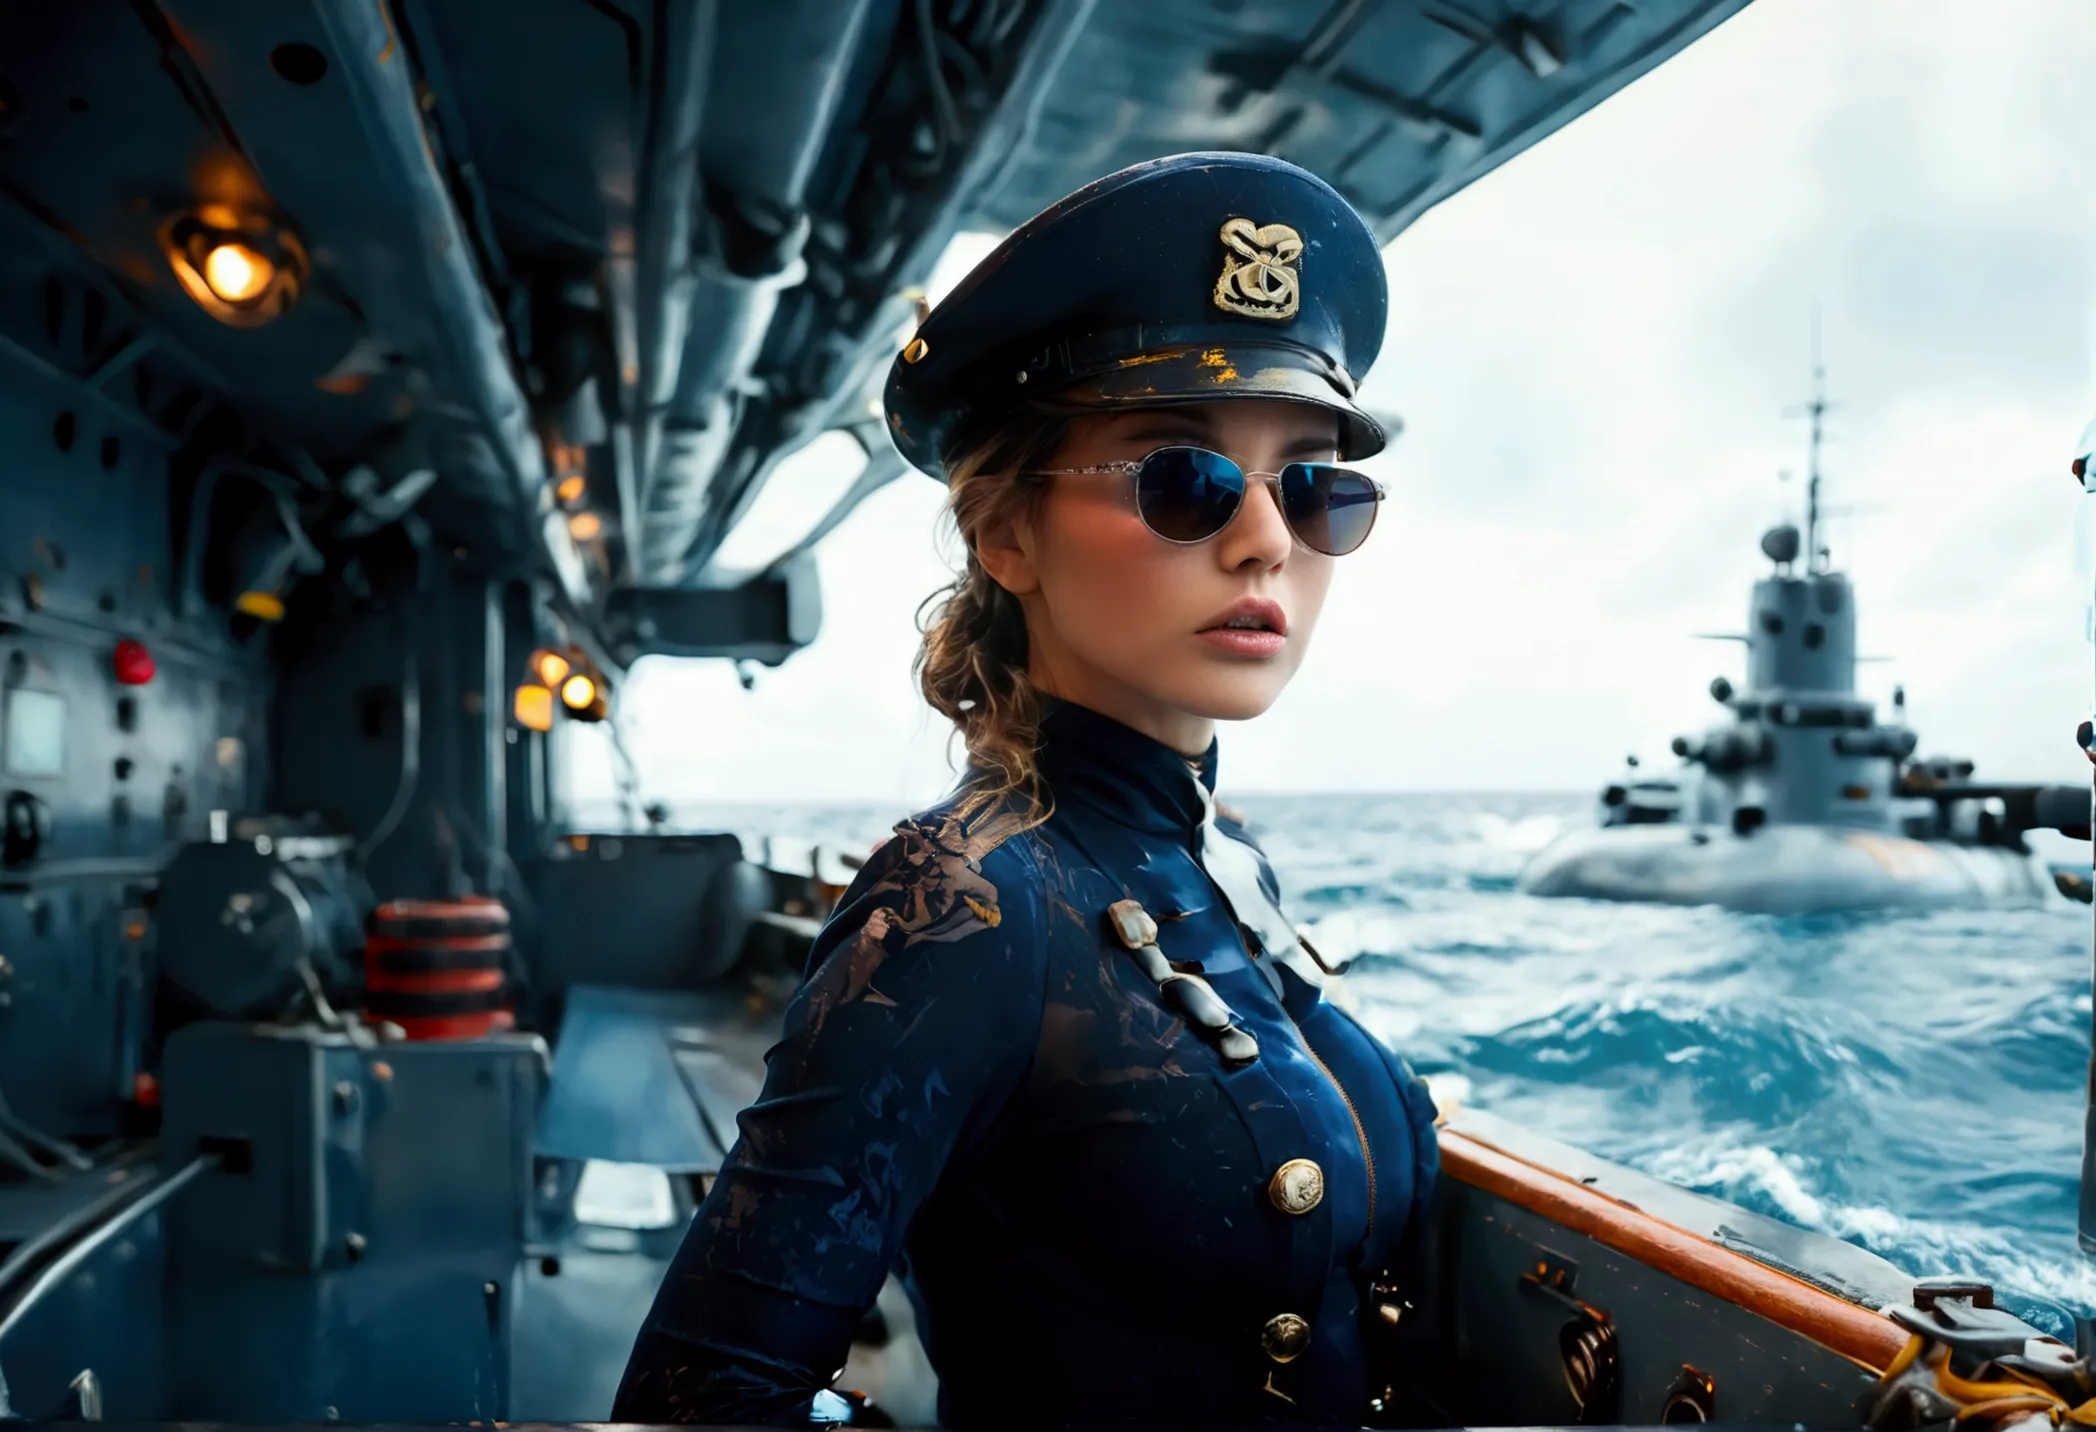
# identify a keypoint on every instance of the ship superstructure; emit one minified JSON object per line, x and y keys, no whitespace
{"x":1800,"y":798}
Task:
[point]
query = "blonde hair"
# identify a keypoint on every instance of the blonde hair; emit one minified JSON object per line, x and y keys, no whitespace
{"x":972,"y":667}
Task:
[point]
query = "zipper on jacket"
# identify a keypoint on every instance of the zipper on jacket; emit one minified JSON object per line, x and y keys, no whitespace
{"x":1360,"y":1129}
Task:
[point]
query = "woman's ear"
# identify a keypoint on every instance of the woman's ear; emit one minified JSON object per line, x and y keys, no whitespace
{"x":1006,"y":550}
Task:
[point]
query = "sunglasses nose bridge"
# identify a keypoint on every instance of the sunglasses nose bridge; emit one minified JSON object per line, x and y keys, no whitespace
{"x":1270,"y":524}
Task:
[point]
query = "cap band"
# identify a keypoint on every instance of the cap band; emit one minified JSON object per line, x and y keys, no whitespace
{"x":1217,"y":372}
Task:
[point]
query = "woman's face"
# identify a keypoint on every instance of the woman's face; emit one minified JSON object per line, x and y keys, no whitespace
{"x":1163,"y":637}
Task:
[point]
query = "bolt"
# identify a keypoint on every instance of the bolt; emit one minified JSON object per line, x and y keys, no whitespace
{"x":354,"y":1245}
{"x":345,"y":1097}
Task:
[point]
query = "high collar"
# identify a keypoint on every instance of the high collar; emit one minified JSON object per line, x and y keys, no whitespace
{"x":1137,"y":780}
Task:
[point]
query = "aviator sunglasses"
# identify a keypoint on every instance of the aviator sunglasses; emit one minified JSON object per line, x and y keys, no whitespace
{"x":1189,"y":494}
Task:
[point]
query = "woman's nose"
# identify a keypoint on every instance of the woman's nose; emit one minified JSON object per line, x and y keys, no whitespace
{"x":1259,"y":537}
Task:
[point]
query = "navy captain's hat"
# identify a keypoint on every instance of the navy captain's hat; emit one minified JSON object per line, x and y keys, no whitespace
{"x":1180,"y":280}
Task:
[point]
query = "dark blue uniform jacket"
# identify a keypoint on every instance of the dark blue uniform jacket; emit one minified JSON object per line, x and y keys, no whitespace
{"x":978,"y":1085}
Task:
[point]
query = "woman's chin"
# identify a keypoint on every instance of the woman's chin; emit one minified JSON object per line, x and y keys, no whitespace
{"x":1230,"y":696}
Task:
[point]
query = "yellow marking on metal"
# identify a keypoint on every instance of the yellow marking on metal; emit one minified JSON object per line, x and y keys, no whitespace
{"x":1900,"y":858}
{"x":989,"y":914}
{"x":264,"y":605}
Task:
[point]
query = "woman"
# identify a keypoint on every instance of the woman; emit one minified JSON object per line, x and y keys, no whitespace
{"x":1059,"y":1058}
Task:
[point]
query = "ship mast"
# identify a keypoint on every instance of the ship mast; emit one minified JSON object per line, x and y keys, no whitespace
{"x":1816,"y":409}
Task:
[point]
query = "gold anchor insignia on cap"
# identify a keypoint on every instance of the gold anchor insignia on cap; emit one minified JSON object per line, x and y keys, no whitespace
{"x":1259,"y":278}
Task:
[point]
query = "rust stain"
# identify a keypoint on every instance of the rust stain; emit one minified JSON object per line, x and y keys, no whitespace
{"x":1214,"y":358}
{"x":742,"y":1199}
{"x":385,"y":15}
{"x":1869,"y":1339}
{"x":1141,"y":358}
{"x":1134,"y":1073}
{"x":933,"y":891}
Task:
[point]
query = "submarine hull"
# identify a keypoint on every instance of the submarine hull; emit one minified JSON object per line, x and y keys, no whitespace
{"x":1782,"y":869}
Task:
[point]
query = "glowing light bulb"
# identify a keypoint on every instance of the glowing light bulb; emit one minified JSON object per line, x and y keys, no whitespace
{"x":236,"y":273}
{"x":534,"y":708}
{"x":585,"y":526}
{"x":551,"y":667}
{"x":578,"y":692}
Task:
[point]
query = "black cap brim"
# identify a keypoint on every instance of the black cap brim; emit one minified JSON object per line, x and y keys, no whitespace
{"x":1224,"y":372}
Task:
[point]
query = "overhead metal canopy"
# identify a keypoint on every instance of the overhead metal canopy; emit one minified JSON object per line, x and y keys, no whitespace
{"x":601,"y":264}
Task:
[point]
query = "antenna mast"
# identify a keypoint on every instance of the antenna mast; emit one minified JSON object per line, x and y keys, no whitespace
{"x":1816,"y":410}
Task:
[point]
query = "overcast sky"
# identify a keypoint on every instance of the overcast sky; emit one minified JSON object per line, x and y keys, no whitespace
{"x":1593,"y":349}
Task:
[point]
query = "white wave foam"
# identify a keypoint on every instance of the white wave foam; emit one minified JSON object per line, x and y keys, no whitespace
{"x":2011,"y":1258}
{"x":1525,"y":835}
{"x":1450,"y":1090}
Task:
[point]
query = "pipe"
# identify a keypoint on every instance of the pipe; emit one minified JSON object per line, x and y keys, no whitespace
{"x":730,"y":315}
{"x":993,"y":149}
{"x":883,"y":465}
{"x":470,"y":332}
{"x":189,"y":582}
{"x":67,"y":1263}
{"x":759,"y":226}
{"x":664,"y":283}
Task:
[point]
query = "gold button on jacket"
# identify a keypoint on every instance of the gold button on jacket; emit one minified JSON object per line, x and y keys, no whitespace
{"x":1297,"y":1186}
{"x":1284,"y":1337}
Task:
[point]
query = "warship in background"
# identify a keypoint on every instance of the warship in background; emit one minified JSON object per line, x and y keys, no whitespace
{"x":1801,"y":799}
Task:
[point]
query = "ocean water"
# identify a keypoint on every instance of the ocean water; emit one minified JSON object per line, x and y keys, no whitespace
{"x":1912,"y":1083}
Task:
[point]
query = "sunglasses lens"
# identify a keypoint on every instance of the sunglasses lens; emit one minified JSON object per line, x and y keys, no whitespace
{"x":1329,"y":508}
{"x":1188,"y":494}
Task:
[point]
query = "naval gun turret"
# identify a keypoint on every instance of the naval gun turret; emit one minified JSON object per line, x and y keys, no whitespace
{"x":1800,"y":798}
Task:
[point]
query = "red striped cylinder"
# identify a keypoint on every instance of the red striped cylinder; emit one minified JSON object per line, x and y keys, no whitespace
{"x":438,"y":968}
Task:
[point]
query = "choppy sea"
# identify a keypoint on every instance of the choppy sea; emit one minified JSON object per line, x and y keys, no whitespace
{"x":1912,"y":1083}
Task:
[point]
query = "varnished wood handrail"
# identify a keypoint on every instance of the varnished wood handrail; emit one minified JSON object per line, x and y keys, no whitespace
{"x":1867,"y":1338}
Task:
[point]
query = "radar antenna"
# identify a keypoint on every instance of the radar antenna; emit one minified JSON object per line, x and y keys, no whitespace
{"x":1816,"y":409}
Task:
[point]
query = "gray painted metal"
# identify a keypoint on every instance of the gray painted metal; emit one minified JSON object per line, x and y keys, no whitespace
{"x":1840,"y":1267}
{"x":383,"y":1208}
{"x":691,"y":1059}
{"x":1795,"y":801}
{"x":1495,"y":1356}
{"x":929,"y":202}
{"x":1782,"y":869}
{"x":766,"y":617}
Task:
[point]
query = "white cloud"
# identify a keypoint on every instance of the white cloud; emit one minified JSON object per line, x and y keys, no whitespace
{"x":1592,"y":349}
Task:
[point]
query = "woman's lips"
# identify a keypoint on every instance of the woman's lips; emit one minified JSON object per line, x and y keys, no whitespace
{"x":1252,"y":627}
{"x":1244,"y":641}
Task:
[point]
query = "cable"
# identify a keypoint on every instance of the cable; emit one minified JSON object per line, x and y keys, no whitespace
{"x":28,"y":1133}
{"x":627,"y":776}
{"x":410,"y":699}
{"x":942,"y":97}
{"x":68,"y":1262}
{"x":190,"y":580}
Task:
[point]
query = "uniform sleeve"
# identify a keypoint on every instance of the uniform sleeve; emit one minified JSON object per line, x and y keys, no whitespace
{"x":919,"y":1017}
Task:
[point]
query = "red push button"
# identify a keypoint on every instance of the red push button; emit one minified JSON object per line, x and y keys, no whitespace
{"x":134,"y":664}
